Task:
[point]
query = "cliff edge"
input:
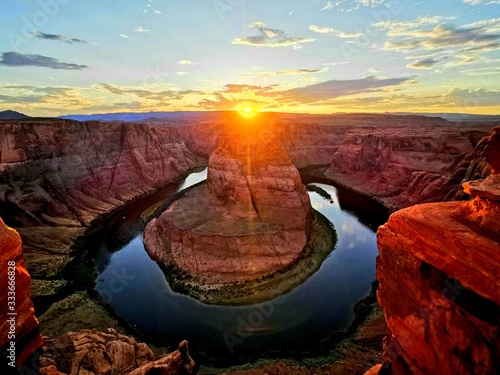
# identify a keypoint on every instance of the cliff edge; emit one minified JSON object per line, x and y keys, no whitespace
{"x":439,"y":286}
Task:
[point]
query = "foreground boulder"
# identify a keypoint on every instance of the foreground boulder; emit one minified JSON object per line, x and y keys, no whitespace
{"x":439,"y":286}
{"x":92,"y":352}
{"x":250,"y":220}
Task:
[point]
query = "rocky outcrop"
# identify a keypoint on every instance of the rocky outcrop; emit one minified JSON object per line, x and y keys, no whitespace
{"x":19,"y":327}
{"x":250,"y":220}
{"x":99,"y":353}
{"x":402,"y":166}
{"x":439,"y":286}
{"x":67,"y":173}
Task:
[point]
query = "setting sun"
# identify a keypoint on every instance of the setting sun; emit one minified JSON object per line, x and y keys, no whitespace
{"x":247,"y":111}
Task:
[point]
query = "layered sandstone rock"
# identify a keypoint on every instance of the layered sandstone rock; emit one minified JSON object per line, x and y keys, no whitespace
{"x":99,"y":353}
{"x":19,"y":327}
{"x":405,"y":165}
{"x":439,"y":286}
{"x":66,"y":173}
{"x":250,"y":219}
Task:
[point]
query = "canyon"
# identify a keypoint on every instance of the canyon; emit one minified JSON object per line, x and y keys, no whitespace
{"x":60,"y":178}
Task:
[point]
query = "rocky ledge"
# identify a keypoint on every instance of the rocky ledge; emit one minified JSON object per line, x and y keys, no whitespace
{"x":439,"y":286}
{"x":250,"y":220}
{"x":98,"y":353}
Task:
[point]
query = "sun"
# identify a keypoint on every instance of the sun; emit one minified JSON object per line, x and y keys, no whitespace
{"x":247,"y":111}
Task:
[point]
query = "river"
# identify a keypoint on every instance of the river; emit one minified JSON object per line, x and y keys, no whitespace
{"x":136,"y":289}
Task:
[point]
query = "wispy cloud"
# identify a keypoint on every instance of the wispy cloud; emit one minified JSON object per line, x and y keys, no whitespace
{"x":56,"y":37}
{"x":337,"y":88}
{"x":465,"y":44}
{"x":466,"y":97}
{"x":16,"y":59}
{"x":427,"y":63}
{"x":270,"y":37}
{"x":331,"y":31}
{"x":445,"y":36}
{"x":352,"y":5}
{"x":402,"y":28}
{"x":158,"y":96}
{"x":289,"y":72}
{"x":186,"y":62}
{"x":125,"y":36}
{"x":481,"y":2}
{"x":140,"y":29}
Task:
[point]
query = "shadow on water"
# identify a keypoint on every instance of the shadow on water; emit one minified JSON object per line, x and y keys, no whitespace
{"x":135,"y":288}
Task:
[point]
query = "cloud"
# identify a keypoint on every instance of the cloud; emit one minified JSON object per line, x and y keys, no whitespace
{"x":56,"y":37}
{"x":186,"y":62}
{"x":402,"y":28}
{"x":351,"y":5}
{"x":481,"y":2}
{"x":331,"y":31}
{"x":337,"y":88}
{"x":157,"y":12}
{"x":472,"y":98}
{"x":465,"y":44}
{"x":444,"y":36}
{"x":427,"y":63}
{"x":270,"y":38}
{"x":159,"y":96}
{"x":220,"y":102}
{"x":16,"y":59}
{"x":289,"y":72}
{"x":140,"y":29}
{"x":125,"y":36}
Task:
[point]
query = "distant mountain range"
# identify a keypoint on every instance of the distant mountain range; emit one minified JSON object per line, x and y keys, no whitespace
{"x":12,"y":115}
{"x":132,"y":116}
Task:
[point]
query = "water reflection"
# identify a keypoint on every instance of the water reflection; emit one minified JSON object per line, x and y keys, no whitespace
{"x":136,"y":289}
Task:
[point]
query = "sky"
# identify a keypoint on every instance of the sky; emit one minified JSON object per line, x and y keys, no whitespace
{"x":61,"y":57}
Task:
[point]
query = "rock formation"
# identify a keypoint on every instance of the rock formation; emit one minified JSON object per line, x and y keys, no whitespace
{"x":439,"y":286}
{"x":19,"y":327}
{"x":100,"y":353}
{"x":67,"y":173}
{"x":408,"y":160}
{"x":250,"y":220}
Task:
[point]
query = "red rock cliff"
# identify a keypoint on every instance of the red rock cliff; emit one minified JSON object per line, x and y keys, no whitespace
{"x":18,"y":324}
{"x":439,"y":285}
{"x":68,"y":173}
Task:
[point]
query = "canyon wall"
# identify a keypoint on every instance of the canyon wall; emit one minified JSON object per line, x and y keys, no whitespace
{"x":19,"y":327}
{"x":439,"y":286}
{"x":398,"y":160}
{"x":67,"y":173}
